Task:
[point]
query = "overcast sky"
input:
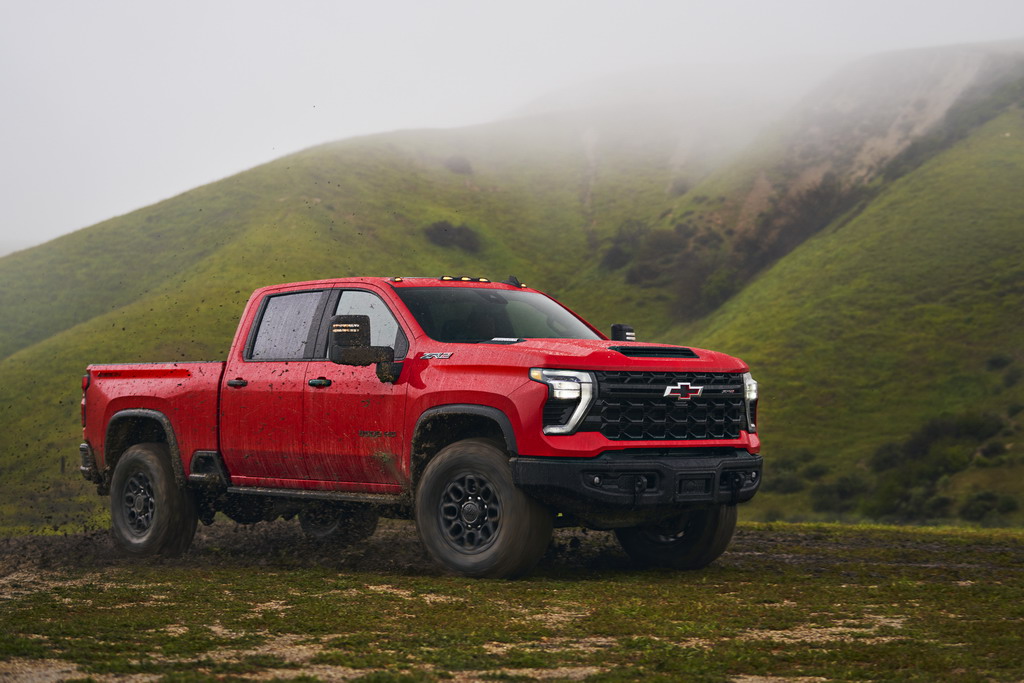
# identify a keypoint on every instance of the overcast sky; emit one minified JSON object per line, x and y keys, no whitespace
{"x":108,"y":106}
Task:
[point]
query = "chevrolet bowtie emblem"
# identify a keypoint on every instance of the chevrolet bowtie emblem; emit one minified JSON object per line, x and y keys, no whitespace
{"x":683,"y":391}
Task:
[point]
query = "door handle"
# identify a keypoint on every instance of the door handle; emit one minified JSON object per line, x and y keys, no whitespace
{"x":239,"y":382}
{"x":320,"y":382}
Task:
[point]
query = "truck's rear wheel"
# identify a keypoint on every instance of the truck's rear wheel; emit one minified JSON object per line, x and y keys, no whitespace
{"x":692,"y":541}
{"x":339,"y":525}
{"x":473,"y":519}
{"x":149,"y":514}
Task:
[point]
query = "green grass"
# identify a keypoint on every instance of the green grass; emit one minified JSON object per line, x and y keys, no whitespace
{"x":840,"y":603}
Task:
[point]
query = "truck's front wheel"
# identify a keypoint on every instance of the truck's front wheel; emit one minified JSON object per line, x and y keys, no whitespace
{"x":150,"y":514}
{"x":473,"y":519}
{"x":692,"y":541}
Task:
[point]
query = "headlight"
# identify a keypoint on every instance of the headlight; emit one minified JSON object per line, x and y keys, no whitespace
{"x":750,"y":394}
{"x":749,"y":387}
{"x":568,"y":390}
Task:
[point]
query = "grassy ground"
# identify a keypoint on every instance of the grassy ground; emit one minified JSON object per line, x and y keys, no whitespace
{"x":808,"y":602}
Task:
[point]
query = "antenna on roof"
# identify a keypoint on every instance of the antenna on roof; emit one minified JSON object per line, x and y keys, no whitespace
{"x":513,"y":280}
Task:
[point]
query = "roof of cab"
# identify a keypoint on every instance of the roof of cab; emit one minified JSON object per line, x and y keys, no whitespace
{"x":395,"y":282}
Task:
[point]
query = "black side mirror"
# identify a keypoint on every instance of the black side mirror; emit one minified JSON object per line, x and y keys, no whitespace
{"x":350,"y":345}
{"x":622,"y":332}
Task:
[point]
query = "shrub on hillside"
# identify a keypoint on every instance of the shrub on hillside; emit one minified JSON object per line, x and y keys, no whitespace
{"x":998,"y":362}
{"x":460,"y":165}
{"x":785,"y":482}
{"x":444,"y":234}
{"x":838,"y":496}
{"x":986,"y":504}
{"x":815,"y":471}
{"x":909,"y":473}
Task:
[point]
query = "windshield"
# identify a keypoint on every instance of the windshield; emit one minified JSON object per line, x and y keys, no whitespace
{"x":469,"y":314}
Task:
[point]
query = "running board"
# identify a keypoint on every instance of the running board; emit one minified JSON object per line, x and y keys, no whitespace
{"x":338,"y":496}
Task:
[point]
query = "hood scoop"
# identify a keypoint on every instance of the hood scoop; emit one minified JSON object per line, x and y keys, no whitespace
{"x":655,"y":351}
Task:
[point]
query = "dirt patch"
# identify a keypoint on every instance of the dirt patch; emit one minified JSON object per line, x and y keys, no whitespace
{"x":844,"y":631}
{"x":591,"y":644}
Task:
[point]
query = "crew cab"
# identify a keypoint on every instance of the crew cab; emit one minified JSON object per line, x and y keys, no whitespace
{"x":488,"y":412}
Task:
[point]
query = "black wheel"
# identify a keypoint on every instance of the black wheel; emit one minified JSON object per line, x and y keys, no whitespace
{"x":692,"y":541}
{"x":149,"y":514}
{"x":339,"y":525}
{"x":473,"y":519}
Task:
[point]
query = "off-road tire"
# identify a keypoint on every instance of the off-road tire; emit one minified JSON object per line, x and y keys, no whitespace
{"x":338,"y":525}
{"x":472,"y":518}
{"x":692,"y":541}
{"x":150,"y":514}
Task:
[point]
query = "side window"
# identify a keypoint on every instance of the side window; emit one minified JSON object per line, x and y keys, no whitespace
{"x":284,"y":326}
{"x":384,"y":329}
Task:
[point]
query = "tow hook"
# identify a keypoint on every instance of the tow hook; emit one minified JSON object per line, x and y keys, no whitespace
{"x":639,"y":486}
{"x":734,"y":482}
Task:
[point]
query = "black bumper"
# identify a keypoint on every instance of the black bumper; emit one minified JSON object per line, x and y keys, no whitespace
{"x":640,"y":480}
{"x":88,"y":467}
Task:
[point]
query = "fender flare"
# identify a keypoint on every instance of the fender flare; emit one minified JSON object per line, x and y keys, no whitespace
{"x":165,"y":423}
{"x":502,"y":420}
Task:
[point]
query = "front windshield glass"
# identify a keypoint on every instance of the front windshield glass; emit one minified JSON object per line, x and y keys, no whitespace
{"x":471,"y":314}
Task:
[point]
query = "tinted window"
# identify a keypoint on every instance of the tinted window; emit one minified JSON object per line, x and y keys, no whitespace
{"x":384,"y":329}
{"x":284,"y":326}
{"x":457,"y":314}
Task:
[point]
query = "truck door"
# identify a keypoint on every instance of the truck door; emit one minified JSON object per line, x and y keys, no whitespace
{"x":353,"y":422}
{"x":262,"y":392}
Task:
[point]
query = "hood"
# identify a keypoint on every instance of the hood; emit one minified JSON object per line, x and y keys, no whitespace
{"x":596,"y":354}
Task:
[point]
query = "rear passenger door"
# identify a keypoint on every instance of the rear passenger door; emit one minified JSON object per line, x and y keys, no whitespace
{"x":262,"y":396}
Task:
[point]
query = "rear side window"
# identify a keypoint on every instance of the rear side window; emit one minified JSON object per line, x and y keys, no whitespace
{"x":284,"y":326}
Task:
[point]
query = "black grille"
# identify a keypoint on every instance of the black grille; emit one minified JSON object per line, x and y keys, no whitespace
{"x":558,"y":412}
{"x":632,"y":406}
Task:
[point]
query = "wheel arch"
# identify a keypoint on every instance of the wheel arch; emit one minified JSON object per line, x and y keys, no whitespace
{"x":440,"y":426}
{"x":137,"y":425}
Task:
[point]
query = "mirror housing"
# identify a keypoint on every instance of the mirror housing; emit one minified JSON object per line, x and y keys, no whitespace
{"x":622,"y":332}
{"x":350,"y":345}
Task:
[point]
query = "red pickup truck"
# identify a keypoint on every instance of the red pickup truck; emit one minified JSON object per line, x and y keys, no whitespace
{"x":488,"y":412}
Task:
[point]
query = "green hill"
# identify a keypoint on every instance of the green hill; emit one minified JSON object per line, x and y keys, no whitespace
{"x":888,"y":325}
{"x":893,"y":300}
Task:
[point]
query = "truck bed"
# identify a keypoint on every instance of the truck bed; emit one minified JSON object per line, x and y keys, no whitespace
{"x":187,"y":394}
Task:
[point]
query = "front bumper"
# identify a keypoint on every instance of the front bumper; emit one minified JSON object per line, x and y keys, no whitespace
{"x":641,"y":484}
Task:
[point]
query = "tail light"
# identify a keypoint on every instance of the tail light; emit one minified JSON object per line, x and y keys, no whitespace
{"x":85,"y":385}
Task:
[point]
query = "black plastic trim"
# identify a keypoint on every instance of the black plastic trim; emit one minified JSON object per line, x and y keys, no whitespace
{"x":471,"y":409}
{"x":655,"y":351}
{"x":165,"y":423}
{"x":88,"y":467}
{"x":626,"y":481}
{"x":307,"y":494}
{"x":215,"y":474}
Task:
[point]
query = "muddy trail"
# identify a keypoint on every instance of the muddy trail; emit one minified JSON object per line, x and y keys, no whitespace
{"x":395,"y":549}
